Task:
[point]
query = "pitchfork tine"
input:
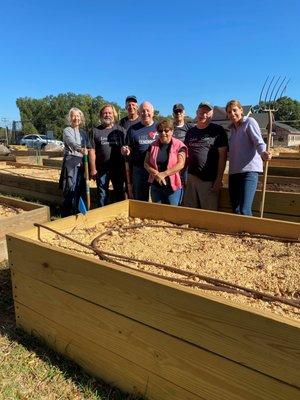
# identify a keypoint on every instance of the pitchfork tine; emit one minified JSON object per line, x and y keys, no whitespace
{"x":280,"y":86}
{"x":273,"y":88}
{"x":283,"y":90}
{"x":262,"y":90}
{"x":270,"y":84}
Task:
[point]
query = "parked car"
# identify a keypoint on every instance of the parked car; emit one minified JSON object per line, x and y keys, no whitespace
{"x":39,"y":141}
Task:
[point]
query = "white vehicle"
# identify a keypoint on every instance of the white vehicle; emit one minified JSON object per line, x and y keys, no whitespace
{"x":39,"y":141}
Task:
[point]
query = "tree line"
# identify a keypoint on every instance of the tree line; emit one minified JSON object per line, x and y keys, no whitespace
{"x":49,"y":113}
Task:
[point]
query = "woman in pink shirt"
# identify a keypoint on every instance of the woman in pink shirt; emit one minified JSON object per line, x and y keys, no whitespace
{"x":164,"y":160}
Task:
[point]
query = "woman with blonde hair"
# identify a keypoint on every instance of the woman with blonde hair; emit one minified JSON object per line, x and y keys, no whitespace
{"x":247,"y":151}
{"x":72,"y":173}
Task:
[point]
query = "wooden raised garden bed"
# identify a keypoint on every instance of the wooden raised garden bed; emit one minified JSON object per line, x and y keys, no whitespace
{"x":33,"y":182}
{"x":17,"y":215}
{"x":148,"y":335}
{"x":53,"y":162}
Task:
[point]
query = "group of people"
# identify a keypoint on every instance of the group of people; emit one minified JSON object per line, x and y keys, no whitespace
{"x":182,"y":163}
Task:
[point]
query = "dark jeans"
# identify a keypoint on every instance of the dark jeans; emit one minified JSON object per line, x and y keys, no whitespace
{"x":71,"y":199}
{"x":140,"y":183}
{"x":165,"y":195}
{"x":242,"y":189}
{"x":117,"y":180}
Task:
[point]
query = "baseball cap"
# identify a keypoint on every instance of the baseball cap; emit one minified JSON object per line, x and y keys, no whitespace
{"x":131,"y":98}
{"x":178,"y":107}
{"x":206,"y":104}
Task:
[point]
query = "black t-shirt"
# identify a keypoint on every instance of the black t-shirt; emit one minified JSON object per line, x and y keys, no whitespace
{"x":107,"y":143}
{"x":203,"y":153}
{"x":126,"y":123}
{"x":138,"y":138}
{"x":180,"y":131}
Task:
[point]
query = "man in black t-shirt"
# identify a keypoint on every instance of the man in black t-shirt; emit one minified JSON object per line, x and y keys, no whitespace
{"x":106,"y":160}
{"x":207,"y":145}
{"x":180,"y":126}
{"x":132,"y":118}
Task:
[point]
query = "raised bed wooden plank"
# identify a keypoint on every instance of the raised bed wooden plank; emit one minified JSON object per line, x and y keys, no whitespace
{"x":261,"y":341}
{"x":177,"y":361}
{"x":98,"y":361}
{"x":32,"y":188}
{"x":289,"y":155}
{"x":215,"y":220}
{"x":33,"y":152}
{"x":284,"y":171}
{"x":289,"y":162}
{"x":33,"y":213}
{"x":53,"y":162}
{"x":279,"y":204}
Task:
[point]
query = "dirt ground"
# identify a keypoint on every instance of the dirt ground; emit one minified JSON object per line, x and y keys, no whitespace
{"x":38,"y":173}
{"x":9,"y":211}
{"x":276,"y":150}
{"x":42,"y":173}
{"x":265,"y":265}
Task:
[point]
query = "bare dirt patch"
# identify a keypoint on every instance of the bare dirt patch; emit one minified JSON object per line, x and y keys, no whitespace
{"x":258,"y":263}
{"x":9,"y":211}
{"x":42,"y":173}
{"x":37,"y":173}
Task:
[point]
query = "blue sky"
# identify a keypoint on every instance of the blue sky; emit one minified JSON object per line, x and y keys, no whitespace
{"x":162,"y":51}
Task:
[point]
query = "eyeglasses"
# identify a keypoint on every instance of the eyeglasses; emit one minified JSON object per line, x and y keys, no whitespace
{"x":163,"y":131}
{"x":178,"y":111}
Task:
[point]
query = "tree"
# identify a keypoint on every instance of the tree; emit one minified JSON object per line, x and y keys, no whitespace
{"x":50,"y":112}
{"x":287,"y":110}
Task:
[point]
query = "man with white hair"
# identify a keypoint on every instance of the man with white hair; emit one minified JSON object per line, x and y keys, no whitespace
{"x":138,"y":139}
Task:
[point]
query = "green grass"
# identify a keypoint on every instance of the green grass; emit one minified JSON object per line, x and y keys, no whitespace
{"x":31,"y":371}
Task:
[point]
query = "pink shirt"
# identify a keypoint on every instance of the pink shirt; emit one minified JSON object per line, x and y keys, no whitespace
{"x":176,"y":145}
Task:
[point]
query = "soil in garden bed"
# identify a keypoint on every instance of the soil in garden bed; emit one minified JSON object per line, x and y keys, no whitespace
{"x":262,"y":264}
{"x":42,"y":173}
{"x":9,"y":211}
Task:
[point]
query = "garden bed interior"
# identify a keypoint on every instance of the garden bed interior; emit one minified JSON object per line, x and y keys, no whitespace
{"x":17,"y":215}
{"x":152,"y":336}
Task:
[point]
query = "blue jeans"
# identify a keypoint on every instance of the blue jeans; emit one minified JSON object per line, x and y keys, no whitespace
{"x":117,"y":180}
{"x":165,"y":195}
{"x":242,"y":189}
{"x":140,"y":183}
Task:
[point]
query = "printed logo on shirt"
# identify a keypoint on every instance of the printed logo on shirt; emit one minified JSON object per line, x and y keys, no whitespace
{"x":152,"y":134}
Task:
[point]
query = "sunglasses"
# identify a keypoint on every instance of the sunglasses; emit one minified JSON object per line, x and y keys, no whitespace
{"x":178,"y":111}
{"x":163,"y":131}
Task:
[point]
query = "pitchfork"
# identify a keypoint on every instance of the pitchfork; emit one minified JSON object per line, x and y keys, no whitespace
{"x":268,"y":106}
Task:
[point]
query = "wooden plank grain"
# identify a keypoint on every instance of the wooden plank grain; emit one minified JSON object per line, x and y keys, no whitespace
{"x":185,"y":365}
{"x":99,"y":361}
{"x":286,"y":162}
{"x":260,"y":341}
{"x":282,"y":203}
{"x":211,"y":220}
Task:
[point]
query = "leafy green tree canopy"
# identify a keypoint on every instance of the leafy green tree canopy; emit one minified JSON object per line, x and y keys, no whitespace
{"x":287,"y":110}
{"x":50,"y":112}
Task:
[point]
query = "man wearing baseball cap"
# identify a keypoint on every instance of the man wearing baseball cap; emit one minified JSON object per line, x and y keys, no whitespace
{"x":132,"y":118}
{"x":207,"y":145}
{"x":180,"y":126}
